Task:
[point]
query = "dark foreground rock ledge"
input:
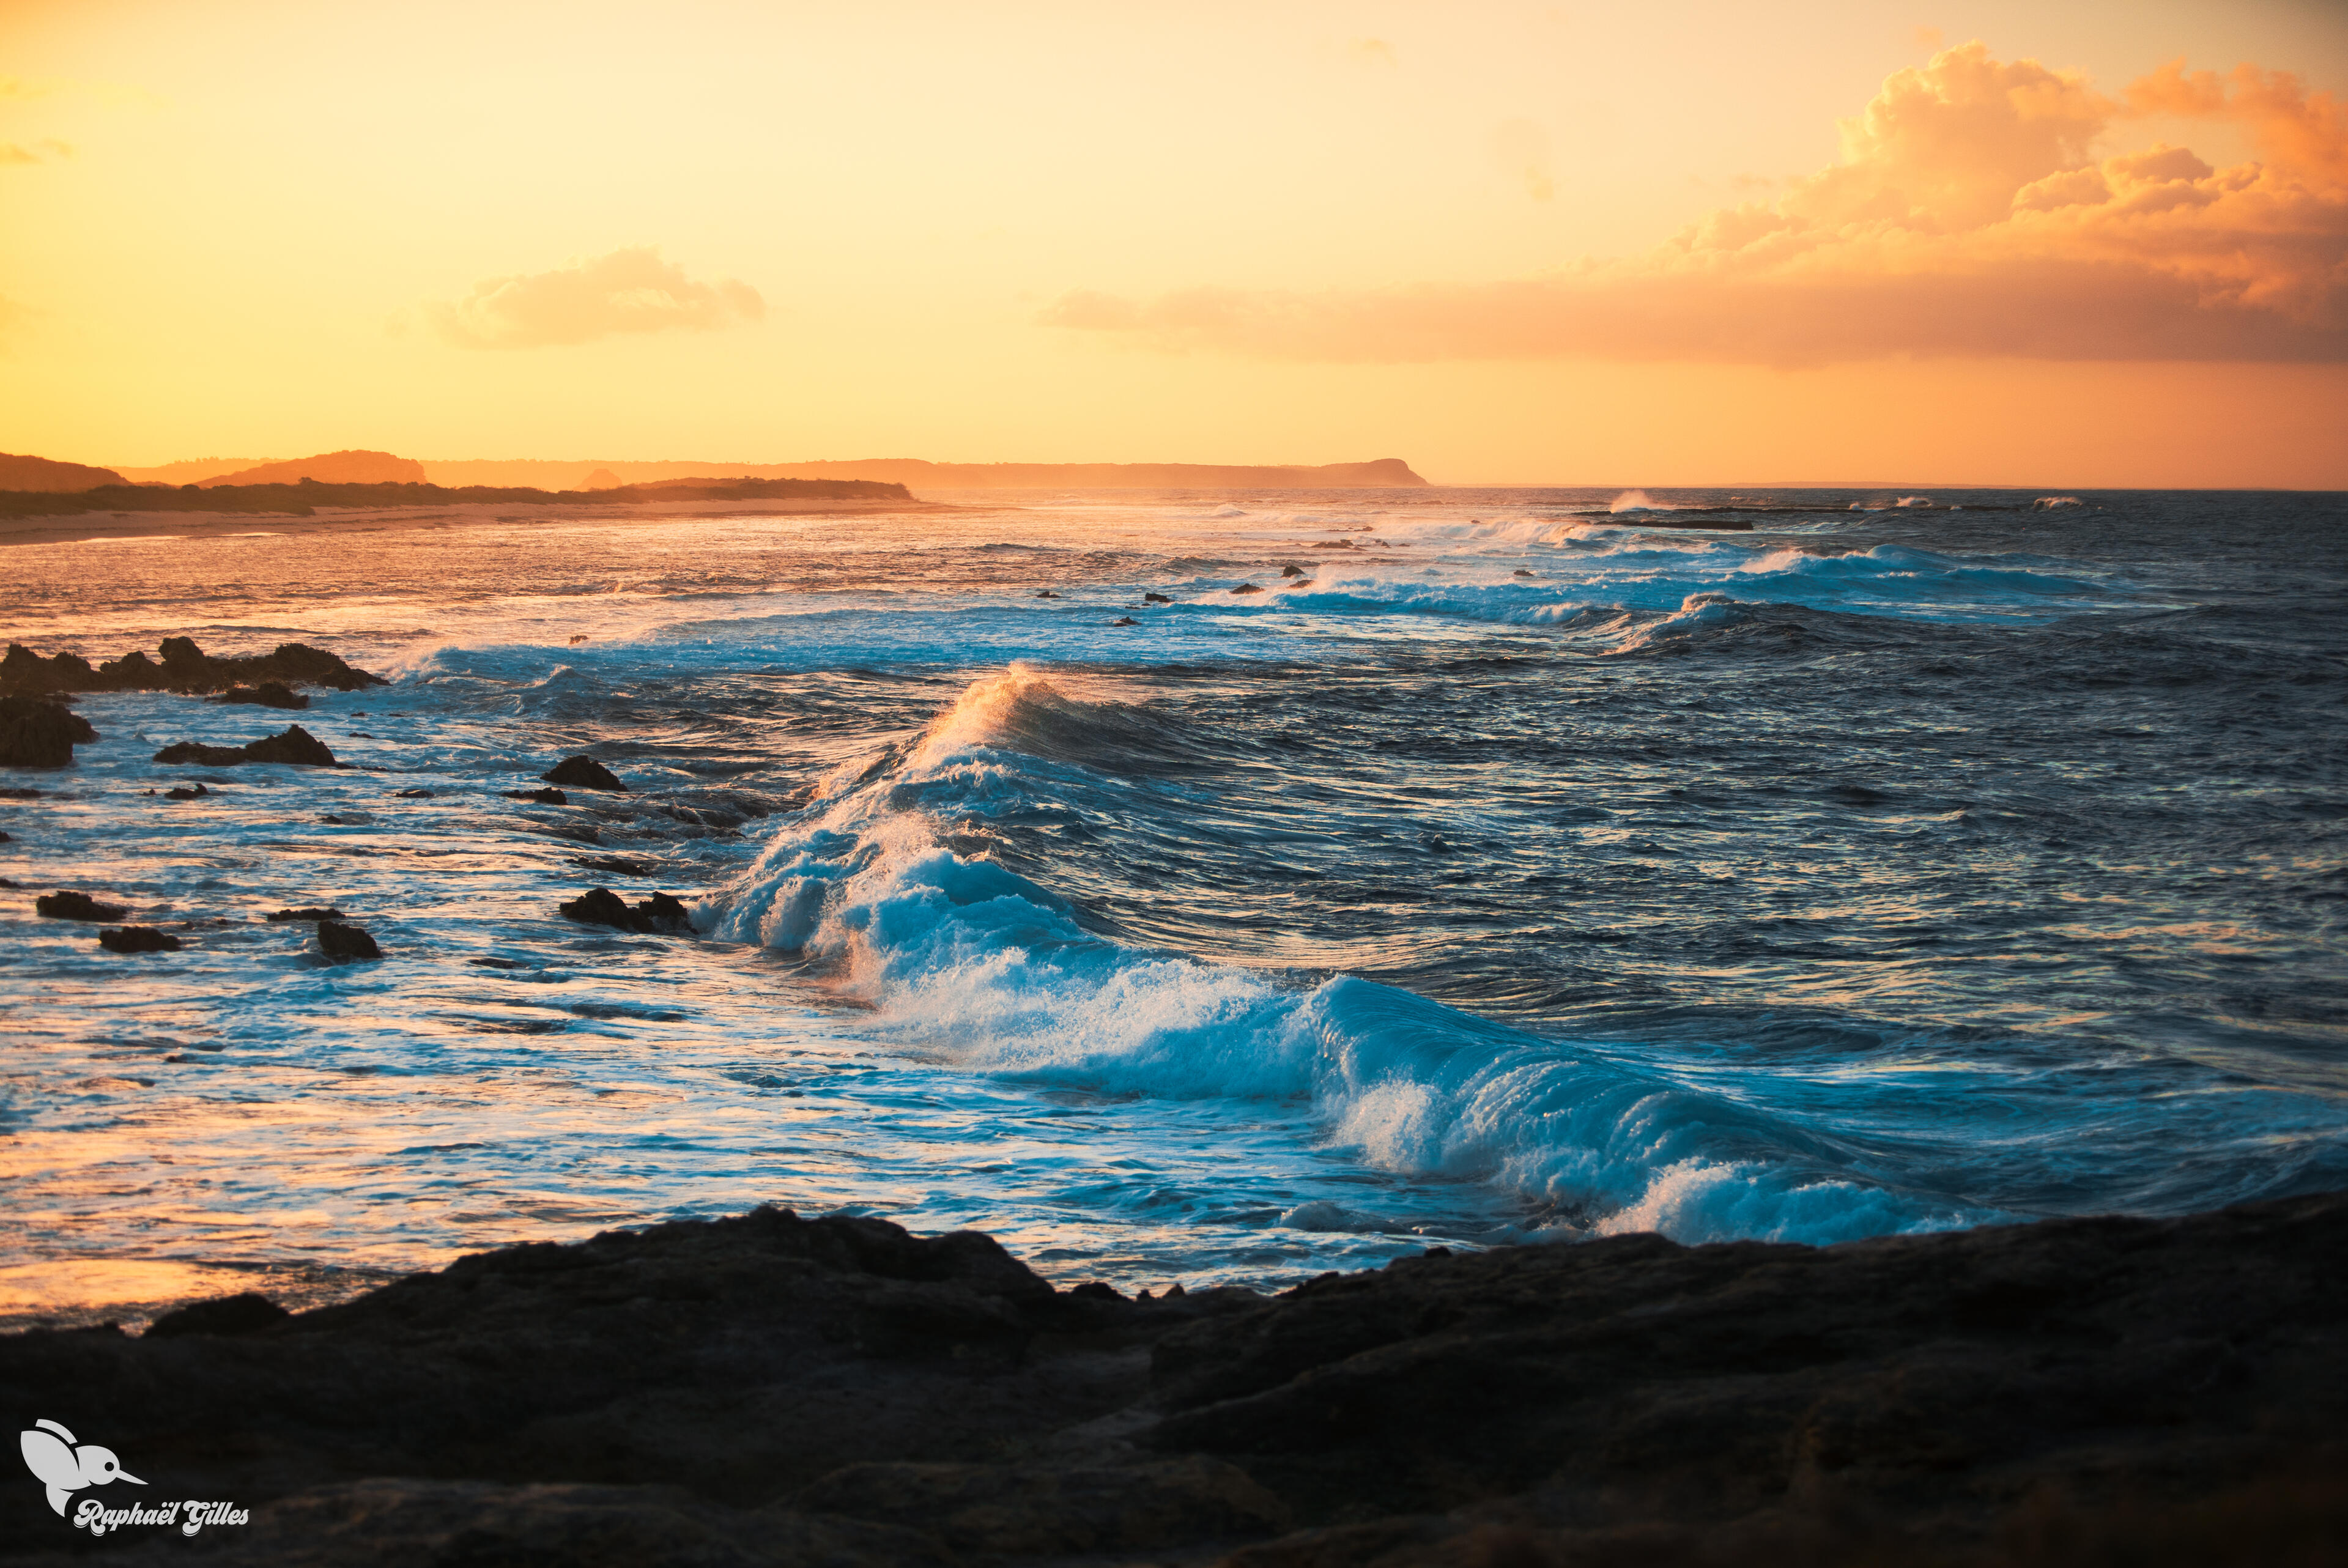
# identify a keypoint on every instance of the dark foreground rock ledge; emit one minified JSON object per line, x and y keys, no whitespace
{"x":769,"y":1389}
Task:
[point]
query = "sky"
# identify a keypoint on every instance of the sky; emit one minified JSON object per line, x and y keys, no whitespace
{"x":2073,"y":242}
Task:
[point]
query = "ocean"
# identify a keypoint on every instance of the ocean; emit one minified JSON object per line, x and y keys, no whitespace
{"x":1205,"y":887}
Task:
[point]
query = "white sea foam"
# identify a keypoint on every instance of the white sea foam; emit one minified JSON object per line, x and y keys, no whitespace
{"x":961,"y":958}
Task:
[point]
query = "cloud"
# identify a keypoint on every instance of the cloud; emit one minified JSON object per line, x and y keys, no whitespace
{"x":1966,"y":218}
{"x":630,"y":290}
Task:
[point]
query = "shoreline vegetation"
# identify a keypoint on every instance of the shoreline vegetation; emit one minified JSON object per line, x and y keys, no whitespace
{"x":769,"y":1389}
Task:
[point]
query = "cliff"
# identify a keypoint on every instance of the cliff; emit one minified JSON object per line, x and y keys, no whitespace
{"x":44,"y":474}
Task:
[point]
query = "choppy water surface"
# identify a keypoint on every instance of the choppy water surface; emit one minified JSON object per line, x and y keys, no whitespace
{"x":1509,"y":867}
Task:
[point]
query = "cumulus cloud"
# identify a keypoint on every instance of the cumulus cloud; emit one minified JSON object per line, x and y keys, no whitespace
{"x":630,"y":290}
{"x":1967,"y":217}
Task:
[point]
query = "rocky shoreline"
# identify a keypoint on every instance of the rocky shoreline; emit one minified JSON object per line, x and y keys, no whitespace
{"x":772,"y":1389}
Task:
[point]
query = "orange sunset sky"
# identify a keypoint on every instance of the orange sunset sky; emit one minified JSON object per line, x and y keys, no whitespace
{"x":2101,"y":243}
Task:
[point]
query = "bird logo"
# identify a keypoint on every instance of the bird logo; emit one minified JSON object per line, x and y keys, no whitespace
{"x":51,"y":1453}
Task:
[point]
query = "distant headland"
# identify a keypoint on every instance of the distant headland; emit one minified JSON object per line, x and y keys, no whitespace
{"x":381,"y":468}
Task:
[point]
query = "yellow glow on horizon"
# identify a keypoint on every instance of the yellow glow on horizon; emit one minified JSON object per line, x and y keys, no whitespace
{"x":271,"y":229}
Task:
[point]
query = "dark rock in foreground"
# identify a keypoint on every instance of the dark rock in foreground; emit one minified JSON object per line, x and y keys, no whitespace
{"x":770,"y":1389}
{"x":69,"y":905}
{"x":602,"y":906}
{"x":294,"y":746}
{"x":223,"y":1314}
{"x":583,"y":773}
{"x":138,"y":939}
{"x":36,"y":734}
{"x":340,"y":942}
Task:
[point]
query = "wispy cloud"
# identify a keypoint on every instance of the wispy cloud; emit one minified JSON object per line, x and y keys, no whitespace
{"x":630,"y":290}
{"x":46,"y":150}
{"x":1521,"y":150}
{"x":1966,"y":218}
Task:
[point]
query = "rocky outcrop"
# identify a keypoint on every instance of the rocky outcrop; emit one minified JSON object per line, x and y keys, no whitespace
{"x":36,"y":734}
{"x":775,"y":1390}
{"x":345,"y":944}
{"x":182,"y":667}
{"x":583,"y":773}
{"x":69,"y":905}
{"x":602,"y":906}
{"x":138,"y":939}
{"x":293,"y":745}
{"x":538,"y":797}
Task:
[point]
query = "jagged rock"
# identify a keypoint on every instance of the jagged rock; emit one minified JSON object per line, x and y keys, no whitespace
{"x":306,"y":913}
{"x":1047,"y":594}
{"x":68,"y":906}
{"x":1292,"y":572}
{"x":244,"y":1312}
{"x":294,"y":746}
{"x":583,"y":773}
{"x":602,"y":906}
{"x":1156,"y":599}
{"x":1247,"y":588}
{"x":5,"y":839}
{"x":343,"y":942}
{"x":541,"y":796}
{"x":138,"y":939}
{"x":181,"y":792}
{"x":1125,"y":621}
{"x":269,"y":694}
{"x":36,"y":734}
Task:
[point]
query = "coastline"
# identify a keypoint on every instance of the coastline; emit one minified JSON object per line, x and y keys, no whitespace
{"x":766,"y":1388}
{"x":73,"y":528}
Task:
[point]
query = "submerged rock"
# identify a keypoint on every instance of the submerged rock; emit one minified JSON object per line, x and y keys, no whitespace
{"x":1292,"y":572}
{"x":583,"y":773}
{"x":68,"y":906}
{"x":341,"y":943}
{"x":1247,"y":588}
{"x":138,"y":939}
{"x":615,"y":863}
{"x":1156,"y":599}
{"x":269,"y":694}
{"x":291,"y":914}
{"x":1125,"y":621}
{"x":36,"y":734}
{"x":294,"y":746}
{"x":543,"y":797}
{"x":181,"y":792}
